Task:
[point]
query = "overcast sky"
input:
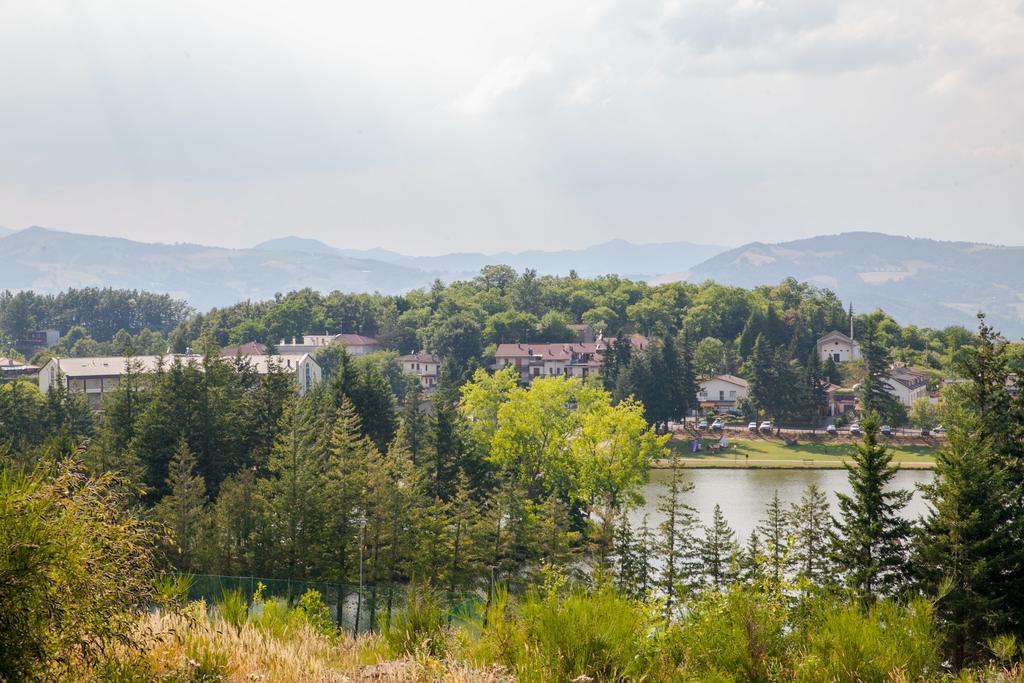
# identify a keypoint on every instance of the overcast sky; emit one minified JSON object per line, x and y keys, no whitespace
{"x":429,"y":127}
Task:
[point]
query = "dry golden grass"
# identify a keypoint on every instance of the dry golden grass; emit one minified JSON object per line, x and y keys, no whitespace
{"x":186,"y":646}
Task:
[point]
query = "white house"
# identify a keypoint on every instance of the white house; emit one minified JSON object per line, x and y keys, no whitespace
{"x":99,"y":375}
{"x":721,"y":391}
{"x":426,"y":366}
{"x":838,"y":347}
{"x":576,"y":359}
{"x":908,"y":385}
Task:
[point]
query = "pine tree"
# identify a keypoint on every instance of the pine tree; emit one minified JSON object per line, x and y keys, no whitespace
{"x":295,"y":496}
{"x":346,"y":478}
{"x":831,"y":371}
{"x":774,"y":529}
{"x":412,"y":426}
{"x":183,"y":509}
{"x":814,"y":387}
{"x":875,"y":388}
{"x":719,"y":551}
{"x":965,"y":549}
{"x":677,"y":543}
{"x":868,"y":543}
{"x":752,"y":560}
{"x":810,"y":525}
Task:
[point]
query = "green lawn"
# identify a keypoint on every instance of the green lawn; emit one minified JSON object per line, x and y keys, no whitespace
{"x":772,"y":452}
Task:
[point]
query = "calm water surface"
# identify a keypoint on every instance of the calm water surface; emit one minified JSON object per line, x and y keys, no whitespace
{"x":743,"y":494}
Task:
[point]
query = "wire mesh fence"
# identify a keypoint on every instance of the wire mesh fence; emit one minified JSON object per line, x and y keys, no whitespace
{"x":353,"y":608}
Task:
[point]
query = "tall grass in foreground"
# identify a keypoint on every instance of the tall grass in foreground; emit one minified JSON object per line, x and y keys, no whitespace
{"x":567,"y":634}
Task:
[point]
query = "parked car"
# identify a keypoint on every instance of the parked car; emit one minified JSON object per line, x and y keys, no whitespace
{"x":703,"y":424}
{"x":831,"y":429}
{"x":855,"y":429}
{"x":939,"y":430}
{"x":886,"y":430}
{"x":766,"y":426}
{"x":925,"y":431}
{"x":718,"y":425}
{"x":752,"y":426}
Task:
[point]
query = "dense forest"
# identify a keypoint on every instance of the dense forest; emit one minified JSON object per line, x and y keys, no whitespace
{"x":517,"y":495}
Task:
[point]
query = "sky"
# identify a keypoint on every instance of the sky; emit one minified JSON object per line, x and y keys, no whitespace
{"x":430,"y":127}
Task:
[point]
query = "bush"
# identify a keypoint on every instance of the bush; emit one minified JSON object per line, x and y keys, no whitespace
{"x":76,"y":570}
{"x":843,"y":642}
{"x":561,"y":637}
{"x":740,"y":633}
{"x":419,"y":626}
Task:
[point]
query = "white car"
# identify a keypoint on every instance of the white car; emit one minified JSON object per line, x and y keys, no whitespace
{"x":855,"y":429}
{"x":831,"y":429}
{"x":717,"y":424}
{"x":703,"y":424}
{"x":766,"y":426}
{"x":752,"y":426}
{"x":939,"y":430}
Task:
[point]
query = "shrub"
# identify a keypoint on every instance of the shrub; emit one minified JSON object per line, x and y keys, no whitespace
{"x":561,"y":637}
{"x":843,"y":642}
{"x":75,"y":566}
{"x":741,"y":633}
{"x":420,"y":625}
{"x":234,"y":608}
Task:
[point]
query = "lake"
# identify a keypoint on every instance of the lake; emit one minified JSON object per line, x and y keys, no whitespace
{"x":743,"y":494}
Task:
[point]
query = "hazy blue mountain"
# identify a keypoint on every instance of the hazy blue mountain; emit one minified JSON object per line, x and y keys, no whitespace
{"x":5,"y":231}
{"x":639,"y":261}
{"x":49,"y":261}
{"x":919,"y":281}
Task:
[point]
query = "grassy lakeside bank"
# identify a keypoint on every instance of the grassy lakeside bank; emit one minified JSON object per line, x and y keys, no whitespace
{"x":774,"y":453}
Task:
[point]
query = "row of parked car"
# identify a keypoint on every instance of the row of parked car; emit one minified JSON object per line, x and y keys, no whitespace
{"x":887,"y":430}
{"x":854,"y":429}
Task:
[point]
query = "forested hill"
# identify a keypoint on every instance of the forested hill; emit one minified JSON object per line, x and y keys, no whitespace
{"x":49,"y":261}
{"x":917,"y":281}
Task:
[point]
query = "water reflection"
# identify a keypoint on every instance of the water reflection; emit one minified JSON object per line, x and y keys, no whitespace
{"x":743,"y":494}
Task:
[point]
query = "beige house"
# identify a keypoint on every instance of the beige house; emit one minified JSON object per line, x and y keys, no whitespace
{"x":97,"y":376}
{"x":721,"y":392}
{"x":355,"y":344}
{"x":838,"y":347}
{"x":578,"y":359}
{"x":426,"y":366}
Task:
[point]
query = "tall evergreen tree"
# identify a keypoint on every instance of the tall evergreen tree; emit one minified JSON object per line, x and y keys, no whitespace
{"x":182,"y":510}
{"x":719,"y":552}
{"x":869,"y":540}
{"x":810,"y":524}
{"x":774,"y":530}
{"x":876,"y":388}
{"x":966,"y":547}
{"x":677,"y":542}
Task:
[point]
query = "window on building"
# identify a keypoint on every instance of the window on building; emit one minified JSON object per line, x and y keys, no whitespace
{"x":835,"y":357}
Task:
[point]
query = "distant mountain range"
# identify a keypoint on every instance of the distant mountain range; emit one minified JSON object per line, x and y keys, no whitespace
{"x":919,"y":281}
{"x":5,"y":231}
{"x":635,"y":261}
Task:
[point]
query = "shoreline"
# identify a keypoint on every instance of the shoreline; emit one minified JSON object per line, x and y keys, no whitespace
{"x":708,"y":463}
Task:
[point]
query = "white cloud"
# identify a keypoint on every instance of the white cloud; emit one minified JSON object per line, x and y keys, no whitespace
{"x":511,"y":74}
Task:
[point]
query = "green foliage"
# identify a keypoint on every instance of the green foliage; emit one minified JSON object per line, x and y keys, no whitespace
{"x":844,"y":643}
{"x":75,"y":567}
{"x":869,"y":542}
{"x":561,"y":637}
{"x":419,"y":625}
{"x":171,"y":590}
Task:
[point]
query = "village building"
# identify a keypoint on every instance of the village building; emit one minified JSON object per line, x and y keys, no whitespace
{"x":355,"y":344}
{"x":426,"y":367}
{"x":252,"y":348}
{"x":837,"y":346}
{"x":98,"y":376}
{"x":721,"y":392}
{"x":570,"y":359}
{"x":908,"y":385}
{"x":13,"y":369}
{"x":839,"y":400}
